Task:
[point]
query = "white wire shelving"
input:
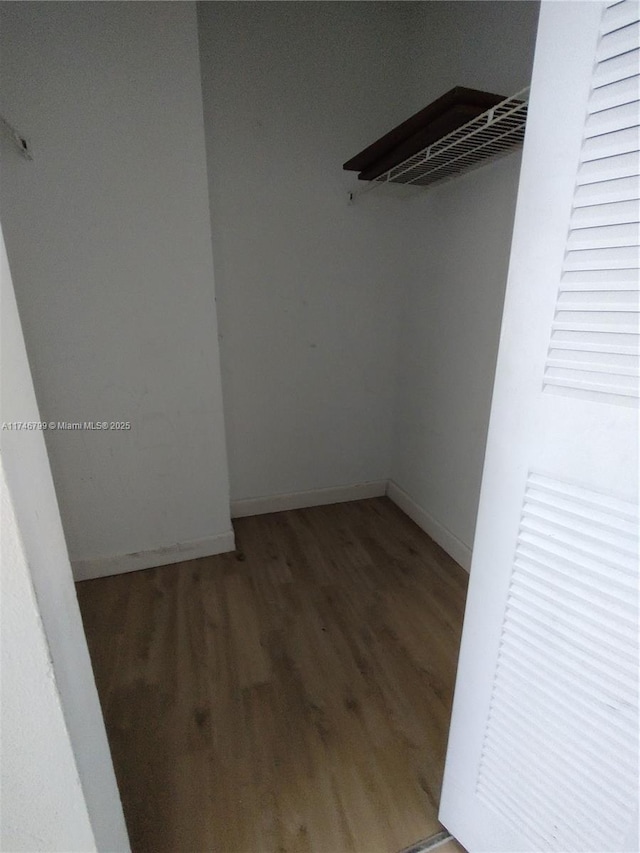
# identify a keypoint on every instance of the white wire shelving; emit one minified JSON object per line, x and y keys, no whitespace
{"x":494,"y":133}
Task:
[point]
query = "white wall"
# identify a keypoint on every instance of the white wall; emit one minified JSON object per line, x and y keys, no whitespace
{"x":482,"y":44}
{"x":109,"y":240}
{"x":358,"y":343}
{"x":338,"y":324}
{"x":307,"y":286}
{"x":451,"y":324}
{"x":58,"y":787}
{"x":458,"y":239}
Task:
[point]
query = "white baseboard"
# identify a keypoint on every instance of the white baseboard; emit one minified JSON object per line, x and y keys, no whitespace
{"x":315,"y":497}
{"x":455,"y":547}
{"x":99,"y":567}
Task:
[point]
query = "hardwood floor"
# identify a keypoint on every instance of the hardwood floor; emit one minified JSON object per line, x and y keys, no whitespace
{"x":293,"y":696}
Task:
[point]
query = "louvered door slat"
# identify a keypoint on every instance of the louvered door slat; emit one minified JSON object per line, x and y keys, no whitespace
{"x":613,"y":280}
{"x":564,"y":809}
{"x":580,"y":526}
{"x":542,"y":493}
{"x":617,"y":211}
{"x":517,"y":759}
{"x":607,"y":191}
{"x":587,"y":755}
{"x":578,"y":586}
{"x":610,"y":144}
{"x":581,"y":761}
{"x":617,"y":257}
{"x":619,"y":40}
{"x":608,"y":168}
{"x":532,"y":688}
{"x":604,"y":234}
{"x":614,"y":94}
{"x":620,"y":15}
{"x":608,"y":121}
{"x":617,"y":68}
{"x":560,"y":639}
{"x":599,"y":300}
{"x":616,"y":586}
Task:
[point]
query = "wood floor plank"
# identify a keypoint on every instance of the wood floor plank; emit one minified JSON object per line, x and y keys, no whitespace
{"x":292,"y":697}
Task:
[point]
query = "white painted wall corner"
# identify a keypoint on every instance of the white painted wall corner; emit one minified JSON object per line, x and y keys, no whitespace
{"x":455,"y":547}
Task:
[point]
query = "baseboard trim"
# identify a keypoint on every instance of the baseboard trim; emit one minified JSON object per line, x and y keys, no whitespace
{"x":455,"y":547}
{"x":99,"y":567}
{"x":300,"y":500}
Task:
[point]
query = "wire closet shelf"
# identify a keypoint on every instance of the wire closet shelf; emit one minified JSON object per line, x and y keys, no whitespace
{"x":492,"y":134}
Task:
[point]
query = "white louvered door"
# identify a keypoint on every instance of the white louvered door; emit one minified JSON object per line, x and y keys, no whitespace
{"x":543,"y":746}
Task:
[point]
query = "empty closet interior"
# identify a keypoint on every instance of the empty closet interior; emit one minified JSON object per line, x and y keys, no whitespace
{"x":194,"y":268}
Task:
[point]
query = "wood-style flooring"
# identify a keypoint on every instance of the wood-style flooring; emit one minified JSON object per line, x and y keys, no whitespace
{"x":292,"y":696}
